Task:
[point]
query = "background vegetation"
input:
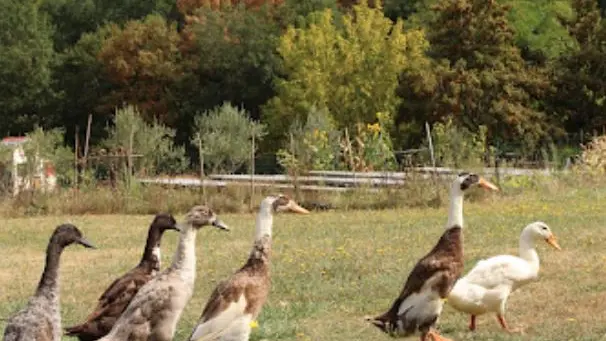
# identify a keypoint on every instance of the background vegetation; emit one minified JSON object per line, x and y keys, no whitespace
{"x":526,"y":74}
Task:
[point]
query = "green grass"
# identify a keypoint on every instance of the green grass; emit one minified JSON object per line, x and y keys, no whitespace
{"x":331,"y":269}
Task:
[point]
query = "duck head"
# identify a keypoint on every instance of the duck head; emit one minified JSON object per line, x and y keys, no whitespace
{"x":200,"y":216}
{"x":466,"y":180}
{"x":67,"y":234}
{"x":539,"y":230}
{"x":281,"y":203}
{"x":165,"y":221}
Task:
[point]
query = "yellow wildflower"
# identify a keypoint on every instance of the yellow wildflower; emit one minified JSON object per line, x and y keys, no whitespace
{"x":254,"y":324}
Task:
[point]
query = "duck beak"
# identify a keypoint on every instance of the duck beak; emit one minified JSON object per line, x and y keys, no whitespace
{"x":220,"y":225}
{"x":294,"y":207}
{"x":487,"y":184}
{"x":178,"y":227}
{"x":551,"y":240}
{"x":86,"y":243}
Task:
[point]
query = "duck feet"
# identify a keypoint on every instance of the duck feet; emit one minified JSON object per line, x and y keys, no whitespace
{"x":434,"y":336}
{"x":503,"y":323}
{"x":472,"y":323}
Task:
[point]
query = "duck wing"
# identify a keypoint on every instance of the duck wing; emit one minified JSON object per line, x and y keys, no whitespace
{"x":110,"y":306}
{"x":500,"y":270}
{"x":234,"y":303}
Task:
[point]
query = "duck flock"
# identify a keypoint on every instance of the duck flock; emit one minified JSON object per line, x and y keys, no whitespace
{"x":146,"y":303}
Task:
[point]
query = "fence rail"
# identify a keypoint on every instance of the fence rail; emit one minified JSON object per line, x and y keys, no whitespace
{"x":334,"y":180}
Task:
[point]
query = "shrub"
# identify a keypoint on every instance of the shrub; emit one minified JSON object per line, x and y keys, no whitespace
{"x":457,"y":147}
{"x":225,"y":134}
{"x":153,"y":142}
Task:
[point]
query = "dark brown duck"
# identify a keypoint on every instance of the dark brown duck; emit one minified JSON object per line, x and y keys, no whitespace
{"x":116,"y":298}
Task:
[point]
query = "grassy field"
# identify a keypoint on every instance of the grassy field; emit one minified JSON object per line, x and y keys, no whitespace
{"x":331,"y":269}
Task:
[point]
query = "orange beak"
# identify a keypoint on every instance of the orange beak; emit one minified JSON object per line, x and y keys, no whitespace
{"x":551,"y":240}
{"x":294,"y":207}
{"x":487,"y":184}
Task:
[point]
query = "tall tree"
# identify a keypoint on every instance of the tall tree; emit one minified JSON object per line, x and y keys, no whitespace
{"x":142,"y":62}
{"x":479,"y":78}
{"x":26,"y":59}
{"x":72,"y":18}
{"x":229,"y":55}
{"x":352,"y":72}
{"x":581,"y":95}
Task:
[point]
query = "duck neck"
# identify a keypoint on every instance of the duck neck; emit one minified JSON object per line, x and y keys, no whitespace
{"x":49,"y":282}
{"x":528,"y":251}
{"x":263,"y":230}
{"x":455,"y":211}
{"x":151,"y":253}
{"x":184,"y":260}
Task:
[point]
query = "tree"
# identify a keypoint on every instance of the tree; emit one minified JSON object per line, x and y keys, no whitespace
{"x":351,"y":72}
{"x":229,"y":56}
{"x":79,"y":78}
{"x":26,"y":59}
{"x":581,"y":81}
{"x":73,"y":18}
{"x":225,"y":134}
{"x":479,"y":77}
{"x":142,"y":61}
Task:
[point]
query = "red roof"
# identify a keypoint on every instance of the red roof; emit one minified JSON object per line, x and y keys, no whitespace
{"x":13,"y":140}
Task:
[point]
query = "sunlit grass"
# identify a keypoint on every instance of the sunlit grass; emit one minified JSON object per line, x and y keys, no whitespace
{"x":331,"y":269}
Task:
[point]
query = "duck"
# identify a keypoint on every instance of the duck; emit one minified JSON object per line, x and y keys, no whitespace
{"x":118,"y":295}
{"x":40,"y":320}
{"x":155,"y":310}
{"x":488,"y":284}
{"x":235,"y":303}
{"x":419,"y":305}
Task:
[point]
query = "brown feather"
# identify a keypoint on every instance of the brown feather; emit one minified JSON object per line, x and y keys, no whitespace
{"x":443,"y":265}
{"x":252,"y":280}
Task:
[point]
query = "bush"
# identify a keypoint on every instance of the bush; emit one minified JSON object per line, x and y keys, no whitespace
{"x":153,"y":142}
{"x":48,"y":145}
{"x":225,"y":134}
{"x":457,"y":147}
{"x":314,"y":145}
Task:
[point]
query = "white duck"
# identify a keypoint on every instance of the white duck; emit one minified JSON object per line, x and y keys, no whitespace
{"x":488,"y":285}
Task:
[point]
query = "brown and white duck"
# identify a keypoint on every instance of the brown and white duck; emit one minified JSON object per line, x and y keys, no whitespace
{"x":40,"y":320}
{"x":156,"y":308}
{"x":118,"y":295}
{"x":236,"y":302}
{"x":420,"y":303}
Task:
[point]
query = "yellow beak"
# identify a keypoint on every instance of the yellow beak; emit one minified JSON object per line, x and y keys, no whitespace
{"x":487,"y":184}
{"x":551,"y":240}
{"x":294,"y":207}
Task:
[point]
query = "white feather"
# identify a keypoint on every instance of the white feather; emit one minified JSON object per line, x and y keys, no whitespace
{"x":214,"y":328}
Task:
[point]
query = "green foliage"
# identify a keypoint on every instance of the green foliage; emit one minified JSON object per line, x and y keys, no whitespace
{"x":26,"y":58}
{"x":370,"y":148}
{"x":352,"y":72}
{"x":314,"y":145}
{"x":581,"y":76}
{"x":152,"y":142}
{"x":296,"y":12}
{"x":458,"y":147}
{"x":73,"y":18}
{"x":79,"y":77}
{"x":230,"y":56}
{"x":225,"y":135}
{"x":481,"y":79}
{"x":48,"y":145}
{"x":539,"y":26}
